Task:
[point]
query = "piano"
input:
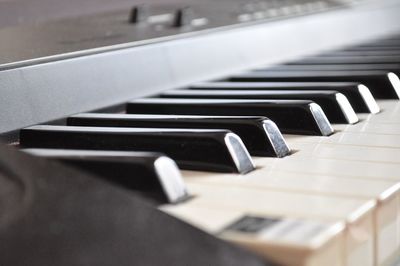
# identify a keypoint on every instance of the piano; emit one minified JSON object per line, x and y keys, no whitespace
{"x":216,"y":133}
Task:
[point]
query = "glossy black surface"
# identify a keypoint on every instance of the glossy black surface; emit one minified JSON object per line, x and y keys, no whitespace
{"x":212,"y":150}
{"x":259,"y":134}
{"x":151,"y":174}
{"x":379,"y":82}
{"x":388,"y":59}
{"x":328,"y":100}
{"x":351,"y":90}
{"x":111,"y":234}
{"x":52,"y":214}
{"x":363,"y":53}
{"x":291,"y":116}
{"x":372,"y":48}
{"x":87,"y":63}
{"x":395,"y":68}
{"x":393,"y":43}
{"x":386,"y":41}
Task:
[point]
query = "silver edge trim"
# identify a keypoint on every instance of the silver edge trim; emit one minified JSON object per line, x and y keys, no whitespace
{"x":395,"y":81}
{"x":171,"y":179}
{"x":322,"y":121}
{"x":234,"y":153}
{"x":346,"y":108}
{"x":269,"y":125}
{"x":369,"y":99}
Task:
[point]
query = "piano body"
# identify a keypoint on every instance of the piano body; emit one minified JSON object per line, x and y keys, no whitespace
{"x":283,"y":117}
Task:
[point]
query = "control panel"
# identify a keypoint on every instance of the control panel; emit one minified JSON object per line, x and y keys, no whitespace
{"x":144,"y":24}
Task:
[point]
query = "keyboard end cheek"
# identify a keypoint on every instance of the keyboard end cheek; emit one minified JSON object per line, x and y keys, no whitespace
{"x":321,"y":120}
{"x":239,"y":154}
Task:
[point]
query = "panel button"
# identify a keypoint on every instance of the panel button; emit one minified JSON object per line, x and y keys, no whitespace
{"x":183,"y":17}
{"x":138,"y":14}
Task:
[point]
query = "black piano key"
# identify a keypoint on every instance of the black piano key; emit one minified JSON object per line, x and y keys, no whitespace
{"x":152,"y":174}
{"x":389,"y":43}
{"x":395,"y":68}
{"x":260,"y":135}
{"x":358,"y":95}
{"x":372,"y":48}
{"x":348,"y":60}
{"x":335,"y":105}
{"x":362,"y":53}
{"x":393,"y":37}
{"x":52,"y":214}
{"x":291,"y":116}
{"x":383,"y":85}
{"x":211,"y":150}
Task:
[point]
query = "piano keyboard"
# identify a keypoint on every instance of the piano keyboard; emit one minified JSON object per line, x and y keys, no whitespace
{"x":298,"y":163}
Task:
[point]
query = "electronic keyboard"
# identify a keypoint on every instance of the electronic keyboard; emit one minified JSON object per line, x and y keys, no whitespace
{"x":226,"y":133}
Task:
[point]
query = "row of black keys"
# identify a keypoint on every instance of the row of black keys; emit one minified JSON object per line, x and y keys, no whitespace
{"x":215,"y":126}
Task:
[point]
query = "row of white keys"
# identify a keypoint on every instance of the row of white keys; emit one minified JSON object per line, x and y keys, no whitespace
{"x":293,"y":246}
{"x":318,"y":202}
{"x":356,"y":247}
{"x":299,"y":175}
{"x":380,"y":148}
{"x":346,"y":165}
{"x":390,"y":113}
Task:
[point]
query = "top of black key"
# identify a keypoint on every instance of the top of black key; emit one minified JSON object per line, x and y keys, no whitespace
{"x":260,"y":135}
{"x":291,"y":116}
{"x":212,"y":150}
{"x":382,"y":84}
{"x":358,"y":95}
{"x":335,"y":105}
{"x":152,"y":174}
